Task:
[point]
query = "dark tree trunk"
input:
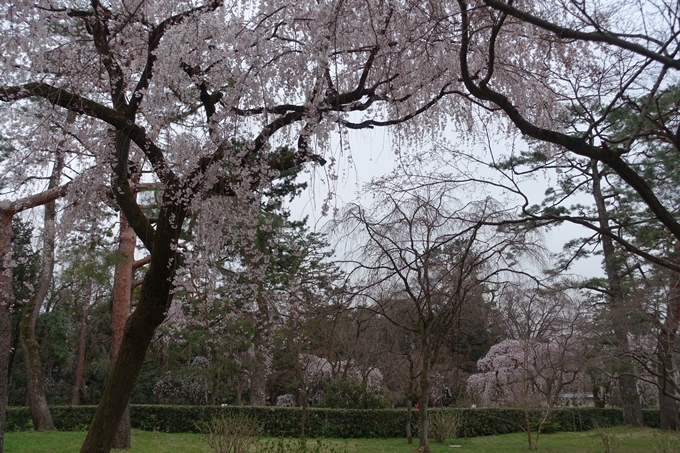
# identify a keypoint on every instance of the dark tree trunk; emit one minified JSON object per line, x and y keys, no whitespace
{"x":409,"y":411}
{"x":156,"y":296}
{"x":239,"y":392}
{"x":423,"y":397}
{"x":124,"y":431}
{"x":258,"y":375}
{"x":303,"y":416}
{"x":40,"y":412}
{"x":630,"y":399}
{"x":7,"y":301}
{"x":82,"y":345}
{"x":258,"y":381}
{"x":6,"y":305}
{"x":668,"y":410}
{"x":668,"y":404}
{"x":598,"y":399}
{"x":120,"y":311}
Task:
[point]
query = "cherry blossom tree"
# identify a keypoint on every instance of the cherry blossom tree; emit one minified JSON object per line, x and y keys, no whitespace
{"x":543,"y":357}
{"x":527,"y":374}
{"x":200,"y":92}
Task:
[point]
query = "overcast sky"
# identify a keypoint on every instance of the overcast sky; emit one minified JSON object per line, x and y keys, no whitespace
{"x":372,"y":156}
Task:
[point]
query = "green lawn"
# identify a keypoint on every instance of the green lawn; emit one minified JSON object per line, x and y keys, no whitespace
{"x":626,"y":441}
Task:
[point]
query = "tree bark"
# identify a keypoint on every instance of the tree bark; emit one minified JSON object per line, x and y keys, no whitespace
{"x":239,"y":391}
{"x":668,"y":409}
{"x":668,"y":404}
{"x":630,"y":399}
{"x":423,"y":397}
{"x":258,"y":375}
{"x":124,"y":432}
{"x":120,"y":311}
{"x":409,"y":410}
{"x":7,"y":301}
{"x":40,"y":412}
{"x":82,"y":345}
{"x":6,"y":304}
{"x":155,"y":300}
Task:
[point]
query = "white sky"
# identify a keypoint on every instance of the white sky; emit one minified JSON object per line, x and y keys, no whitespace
{"x":372,"y":156}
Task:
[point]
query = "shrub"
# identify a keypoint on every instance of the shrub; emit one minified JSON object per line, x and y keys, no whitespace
{"x":230,"y":434}
{"x":444,"y":424}
{"x":347,"y":394}
{"x":610,"y":440}
{"x":667,"y":442}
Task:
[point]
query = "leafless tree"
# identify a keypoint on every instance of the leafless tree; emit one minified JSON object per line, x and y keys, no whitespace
{"x":420,"y":257}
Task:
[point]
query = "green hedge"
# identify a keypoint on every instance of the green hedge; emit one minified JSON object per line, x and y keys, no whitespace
{"x":278,"y":421}
{"x":322,"y":422}
{"x":66,"y":418}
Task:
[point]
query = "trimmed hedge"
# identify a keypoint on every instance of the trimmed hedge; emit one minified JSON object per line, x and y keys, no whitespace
{"x":66,"y":418}
{"x":278,"y":421}
{"x":323,"y":422}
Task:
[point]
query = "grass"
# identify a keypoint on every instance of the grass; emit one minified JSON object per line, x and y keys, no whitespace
{"x":629,"y":441}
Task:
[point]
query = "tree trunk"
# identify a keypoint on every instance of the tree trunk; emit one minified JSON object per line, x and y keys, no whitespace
{"x":124,"y":431}
{"x":598,"y":399}
{"x":630,"y":399}
{"x":527,"y":422}
{"x":139,"y":333}
{"x":7,"y":301}
{"x":155,"y":300}
{"x":260,"y":353}
{"x":423,"y":397}
{"x":668,"y":404}
{"x":303,"y":416}
{"x":120,"y":310}
{"x":668,"y":410}
{"x":80,"y":355}
{"x":40,"y":412}
{"x":258,"y":378}
{"x":6,"y":306}
{"x":409,"y":411}
{"x":239,"y":391}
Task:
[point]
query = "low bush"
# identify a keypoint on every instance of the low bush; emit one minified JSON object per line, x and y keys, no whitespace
{"x":445,"y":424}
{"x":230,"y":434}
{"x":666,"y":442}
{"x":609,"y":437}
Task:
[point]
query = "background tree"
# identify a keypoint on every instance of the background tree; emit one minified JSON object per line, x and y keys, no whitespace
{"x":619,"y":217}
{"x":40,"y":413}
{"x":542,"y":357}
{"x":7,"y":301}
{"x":608,"y":46}
{"x":420,"y":259}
